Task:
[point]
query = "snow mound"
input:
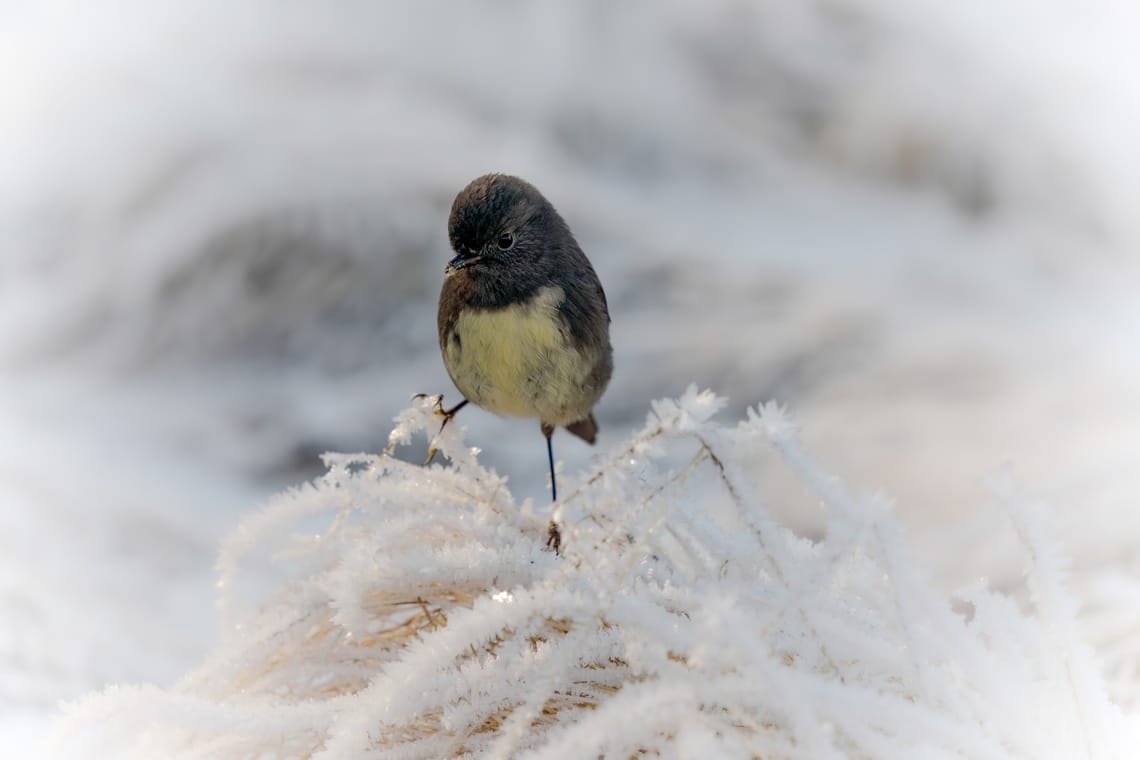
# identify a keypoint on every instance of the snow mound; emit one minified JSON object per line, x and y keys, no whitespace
{"x":427,"y":618}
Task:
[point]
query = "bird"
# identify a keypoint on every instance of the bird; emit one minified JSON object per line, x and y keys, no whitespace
{"x":524,"y":326}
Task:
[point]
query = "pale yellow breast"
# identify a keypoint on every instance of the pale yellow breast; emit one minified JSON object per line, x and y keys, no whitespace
{"x":517,"y":360}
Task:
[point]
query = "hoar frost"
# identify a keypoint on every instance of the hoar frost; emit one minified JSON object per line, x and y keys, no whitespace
{"x":427,"y":619}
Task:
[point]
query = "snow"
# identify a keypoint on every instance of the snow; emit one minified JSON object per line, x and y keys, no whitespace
{"x":223,"y":233}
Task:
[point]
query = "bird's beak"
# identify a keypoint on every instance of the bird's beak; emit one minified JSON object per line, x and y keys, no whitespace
{"x":461,"y":261}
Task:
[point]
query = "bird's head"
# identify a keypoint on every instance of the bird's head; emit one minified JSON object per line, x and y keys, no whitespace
{"x":502,"y":226}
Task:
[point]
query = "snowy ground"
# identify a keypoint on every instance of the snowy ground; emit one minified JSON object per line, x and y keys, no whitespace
{"x":223,"y":236}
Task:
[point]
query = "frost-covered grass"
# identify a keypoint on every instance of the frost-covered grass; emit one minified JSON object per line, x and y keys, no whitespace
{"x":427,"y":619}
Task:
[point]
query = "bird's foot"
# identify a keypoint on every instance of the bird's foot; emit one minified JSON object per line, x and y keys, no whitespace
{"x":554,"y":538}
{"x":439,"y":411}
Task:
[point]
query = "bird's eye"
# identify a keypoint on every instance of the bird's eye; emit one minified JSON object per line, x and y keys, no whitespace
{"x":506,"y":241}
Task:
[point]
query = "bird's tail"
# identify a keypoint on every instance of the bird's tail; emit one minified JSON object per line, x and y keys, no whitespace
{"x":586,"y":429}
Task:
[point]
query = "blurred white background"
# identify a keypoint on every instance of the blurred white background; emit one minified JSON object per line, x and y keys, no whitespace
{"x":222,"y":233}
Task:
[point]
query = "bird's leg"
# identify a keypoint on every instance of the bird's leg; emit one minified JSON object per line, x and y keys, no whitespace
{"x":553,"y":534}
{"x":548,"y":431}
{"x":447,"y":414}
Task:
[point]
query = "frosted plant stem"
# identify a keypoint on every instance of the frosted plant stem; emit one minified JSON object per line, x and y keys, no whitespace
{"x":734,"y":492}
{"x":544,"y":681}
{"x":896,"y":569}
{"x":613,"y":462}
{"x":1051,"y":599}
{"x":633,"y":554}
{"x":801,"y":613}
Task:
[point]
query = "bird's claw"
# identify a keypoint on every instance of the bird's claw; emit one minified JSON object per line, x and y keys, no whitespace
{"x":438,"y":403}
{"x":439,"y":411}
{"x":554,"y":538}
